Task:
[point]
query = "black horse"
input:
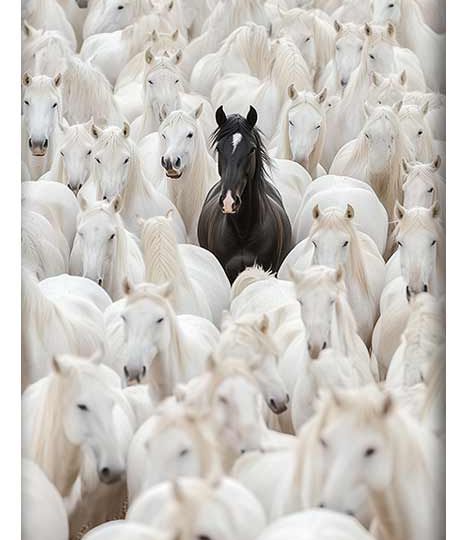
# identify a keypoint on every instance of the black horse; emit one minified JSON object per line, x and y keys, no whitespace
{"x":243,"y":220}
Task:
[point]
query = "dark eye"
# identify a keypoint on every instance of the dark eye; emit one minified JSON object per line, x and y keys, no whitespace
{"x":98,"y":160}
{"x":26,"y":102}
{"x":88,"y":153}
{"x":291,"y":123}
{"x":430,"y":190}
{"x":391,"y":5}
{"x":61,"y":153}
{"x":124,"y":319}
{"x":379,"y":102}
{"x":369,"y":452}
{"x":367,"y":135}
{"x":160,"y":320}
{"x":434,"y":242}
{"x":190,"y":135}
{"x":360,"y":48}
{"x":54,"y":105}
{"x":203,"y":537}
{"x":120,"y":7}
{"x":112,"y":236}
{"x":318,"y":127}
{"x":126,"y":161}
{"x":399,"y":243}
{"x":150,"y":82}
{"x":163,"y":136}
{"x":82,"y":407}
{"x":371,"y":56}
{"x":183,"y":452}
{"x":177,"y":80}
{"x":323,"y":443}
{"x":223,"y":400}
{"x":346,"y":243}
{"x":307,"y":39}
{"x":420,"y":132}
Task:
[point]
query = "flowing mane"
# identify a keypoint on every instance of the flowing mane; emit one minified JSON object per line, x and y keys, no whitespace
{"x":289,"y":67}
{"x":429,"y":176}
{"x":411,"y":118}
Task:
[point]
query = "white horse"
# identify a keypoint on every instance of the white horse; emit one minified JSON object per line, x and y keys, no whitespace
{"x":423,"y":185}
{"x":148,"y":338}
{"x":72,"y":162}
{"x":54,"y":325}
{"x":42,"y":112}
{"x":200,"y":285}
{"x":77,"y":427}
{"x":370,"y":445}
{"x":245,"y":50}
{"x":301,"y":131}
{"x":330,"y":370}
{"x":104,"y":251}
{"x":375,"y":156}
{"x":334,"y":241}
{"x":322,"y":524}
{"x":338,"y":191}
{"x":117,"y":171}
{"x":164,"y":93}
{"x":122,"y":530}
{"x":416,"y":35}
{"x":44,"y":52}
{"x":112,"y":15}
{"x":237,"y":91}
{"x":44,"y":514}
{"x":219,"y":508}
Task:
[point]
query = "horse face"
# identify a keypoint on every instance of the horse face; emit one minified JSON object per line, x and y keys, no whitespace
{"x":387,"y":92}
{"x":355,"y":456}
{"x":112,"y":168}
{"x":147,"y":332}
{"x":177,"y":146}
{"x":41,"y":113}
{"x":306,"y":45}
{"x":264,"y":369}
{"x":162,"y":89}
{"x":416,"y":129}
{"x":417,"y":190}
{"x":418,"y":254}
{"x":380,"y":56}
{"x":304,"y":124}
{"x":331,"y":247}
{"x":347,"y":56}
{"x":90,"y":423}
{"x":386,"y":11}
{"x":115,"y":14}
{"x":235,"y":410}
{"x":97,"y":236}
{"x":76,"y":157}
{"x":380,"y":137}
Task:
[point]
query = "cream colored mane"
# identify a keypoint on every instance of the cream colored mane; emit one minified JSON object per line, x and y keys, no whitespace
{"x":289,"y":67}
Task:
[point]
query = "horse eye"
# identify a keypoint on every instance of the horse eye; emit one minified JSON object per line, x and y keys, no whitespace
{"x":307,"y":39}
{"x":430,"y":190}
{"x":112,"y":236}
{"x":61,"y":153}
{"x":98,"y":160}
{"x":369,"y":452}
{"x":434,"y":242}
{"x":391,"y":5}
{"x":318,"y":127}
{"x":291,"y":123}
{"x":126,"y":161}
{"x":323,"y":443}
{"x":420,"y":132}
{"x":346,"y":243}
{"x":203,"y":537}
{"x":379,"y":102}
{"x":190,"y":135}
{"x":183,"y":452}
{"x":367,"y":135}
{"x":177,"y":80}
{"x":150,"y":82}
{"x":223,"y":400}
{"x":26,"y":102}
{"x":54,"y":105}
{"x":360,"y":48}
{"x":120,"y":7}
{"x":82,"y":407}
{"x":371,"y":56}
{"x":88,"y":153}
{"x":163,"y":136}
{"x":399,"y":243}
{"x":160,"y":320}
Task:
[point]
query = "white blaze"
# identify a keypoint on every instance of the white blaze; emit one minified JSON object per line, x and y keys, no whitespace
{"x":227,"y":203}
{"x":236,"y":139}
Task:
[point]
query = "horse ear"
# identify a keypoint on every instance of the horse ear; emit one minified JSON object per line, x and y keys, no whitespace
{"x":175,"y":35}
{"x":391,"y":30}
{"x":292,"y":92}
{"x":349,"y":212}
{"x":397,"y":106}
{"x":425,"y":108}
{"x":435,"y":209}
{"x":403,"y":78}
{"x":295,"y":275}
{"x":177,"y":57}
{"x":57,"y":80}
{"x":405,"y":166}
{"x":436,"y":163}
{"x":95,"y":131}
{"x":322,"y":96}
{"x":166,"y":289}
{"x":252,"y":117}
{"x":149,"y":56}
{"x":127,"y":286}
{"x":116,"y":204}
{"x":170,"y":6}
{"x":376,"y":78}
{"x":154,"y":37}
{"x":264,"y":324}
{"x":368,"y":109}
{"x":126,"y":130}
{"x":338,"y":26}
{"x":221,"y":117}
{"x":316,"y":211}
{"x":197,"y":112}
{"x":211,"y":363}
{"x":61,"y":364}
{"x":387,"y":405}
{"x":27,"y":79}
{"x":399,"y":211}
{"x":89,"y":124}
{"x":339,"y":274}
{"x":367,"y":29}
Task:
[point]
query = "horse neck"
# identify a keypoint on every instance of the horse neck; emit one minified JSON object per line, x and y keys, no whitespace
{"x":343,"y":327}
{"x":412,"y":28}
{"x":252,"y":208}
{"x":137,"y":186}
{"x":52,"y":451}
{"x":358,"y":85}
{"x":57,"y":169}
{"x":316,"y":153}
{"x":118,"y":267}
{"x":36,"y":308}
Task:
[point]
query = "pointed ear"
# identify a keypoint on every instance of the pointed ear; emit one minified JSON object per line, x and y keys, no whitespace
{"x":226,"y":319}
{"x":61,"y":364}
{"x":28,"y":29}
{"x":197,"y":112}
{"x":399,"y":211}
{"x":292,"y":92}
{"x":436,"y":163}
{"x":26,"y":79}
{"x":170,"y":6}
{"x":405,"y":166}
{"x":397,"y":106}
{"x":127,"y":286}
{"x":387,"y":405}
{"x":221,"y":117}
{"x":435,"y":209}
{"x":264,"y":324}
{"x":403,"y":78}
{"x":166,"y":289}
{"x":338,"y":26}
{"x":252,"y":116}
{"x":211,"y":363}
{"x":316,"y":212}
{"x":367,"y":29}
{"x":339,"y":274}
{"x":376,"y":78}
{"x":391,"y":30}
{"x":95,"y":131}
{"x":116,"y":204}
{"x":177,"y":57}
{"x":126,"y":130}
{"x":322,"y":96}
{"x":89,"y":124}
{"x":175,"y":35}
{"x":154,"y":37}
{"x":425,"y":108}
{"x":170,"y":214}
{"x":58,"y":80}
{"x":149,"y":55}
{"x":349,"y":212}
{"x":296,"y":275}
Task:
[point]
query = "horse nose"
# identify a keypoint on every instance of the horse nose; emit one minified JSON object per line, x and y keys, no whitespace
{"x":322,"y":505}
{"x":277,"y":407}
{"x":177,"y":162}
{"x":343,"y":82}
{"x":108,"y":475}
{"x":425,"y":288}
{"x":163,"y":162}
{"x":314,"y":350}
{"x":134,"y":376}
{"x":38,"y":147}
{"x":100,"y":281}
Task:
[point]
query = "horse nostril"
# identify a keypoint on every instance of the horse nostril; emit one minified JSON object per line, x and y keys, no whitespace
{"x":324,"y":345}
{"x":272,"y":403}
{"x":163,"y":161}
{"x":143,"y":371}
{"x":105,"y":472}
{"x":30,"y":142}
{"x":287,"y":398}
{"x":177,"y":162}
{"x":425,"y":288}
{"x":99,"y":282}
{"x":126,"y":371}
{"x":46,"y":143}
{"x":322,"y":505}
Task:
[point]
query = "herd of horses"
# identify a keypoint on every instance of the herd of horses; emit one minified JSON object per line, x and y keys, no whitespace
{"x":233,"y":269}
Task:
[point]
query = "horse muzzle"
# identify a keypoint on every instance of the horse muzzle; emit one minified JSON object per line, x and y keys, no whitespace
{"x":230,"y":204}
{"x":38,"y":147}
{"x":109,"y":475}
{"x":172,"y":167}
{"x":134,"y":376}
